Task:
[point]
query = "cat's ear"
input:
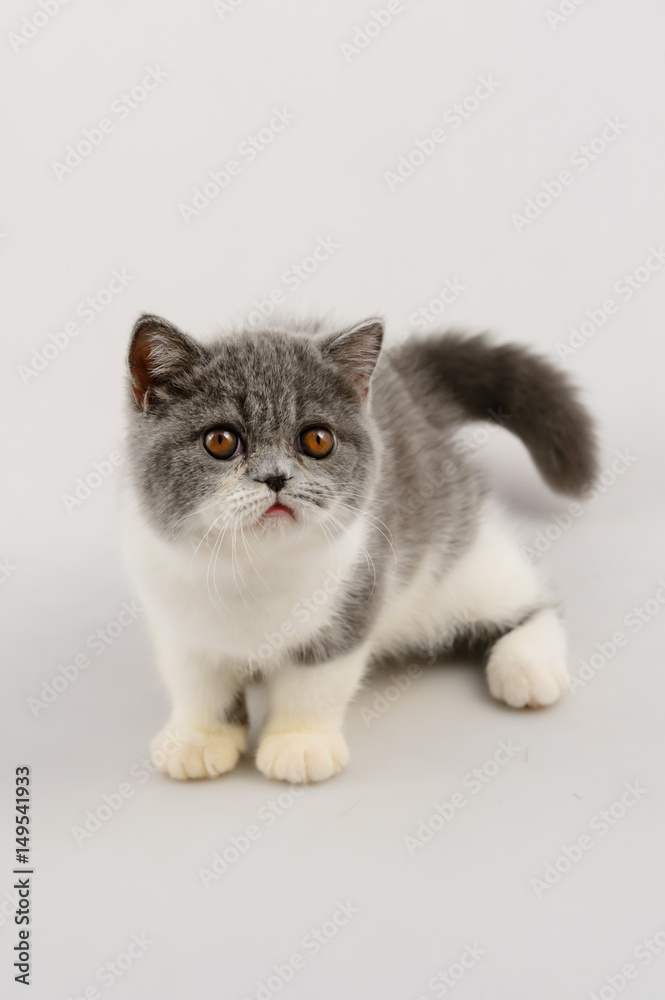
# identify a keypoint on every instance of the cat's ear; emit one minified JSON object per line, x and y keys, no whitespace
{"x":356,"y":352}
{"x":159,"y":354}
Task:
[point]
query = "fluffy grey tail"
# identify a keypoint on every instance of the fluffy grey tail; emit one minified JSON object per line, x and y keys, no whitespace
{"x":516,"y":388}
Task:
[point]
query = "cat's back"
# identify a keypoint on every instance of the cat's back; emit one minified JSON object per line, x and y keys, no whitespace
{"x":428,"y":491}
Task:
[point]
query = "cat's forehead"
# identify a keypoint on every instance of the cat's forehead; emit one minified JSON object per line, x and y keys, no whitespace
{"x":271,"y":377}
{"x":269,"y":357}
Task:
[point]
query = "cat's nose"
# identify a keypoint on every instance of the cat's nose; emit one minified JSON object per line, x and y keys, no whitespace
{"x":275,"y":483}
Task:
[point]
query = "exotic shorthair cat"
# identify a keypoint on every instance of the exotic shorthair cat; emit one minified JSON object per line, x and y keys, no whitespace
{"x":299,"y":506}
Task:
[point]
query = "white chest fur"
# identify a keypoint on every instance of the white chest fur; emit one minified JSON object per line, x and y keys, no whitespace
{"x":249,"y":598}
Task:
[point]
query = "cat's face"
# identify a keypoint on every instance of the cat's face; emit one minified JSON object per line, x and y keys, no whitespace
{"x":268,"y":431}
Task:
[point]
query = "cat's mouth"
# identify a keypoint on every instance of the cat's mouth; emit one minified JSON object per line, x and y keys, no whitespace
{"x":279,"y":511}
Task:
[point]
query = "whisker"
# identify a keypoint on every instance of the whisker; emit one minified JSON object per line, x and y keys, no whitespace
{"x":387,"y":534}
{"x":362,"y":548}
{"x":249,"y":556}
{"x":221,"y":514}
{"x":234,"y":563}
{"x":212,"y":564}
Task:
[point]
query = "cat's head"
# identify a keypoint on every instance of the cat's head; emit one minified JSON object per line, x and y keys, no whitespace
{"x":268,"y":430}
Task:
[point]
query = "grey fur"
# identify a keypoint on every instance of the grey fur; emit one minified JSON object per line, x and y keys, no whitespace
{"x":396,"y":458}
{"x":510,"y":385}
{"x":236,"y":714}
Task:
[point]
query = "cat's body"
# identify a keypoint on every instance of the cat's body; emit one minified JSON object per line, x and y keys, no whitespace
{"x":389,"y":540}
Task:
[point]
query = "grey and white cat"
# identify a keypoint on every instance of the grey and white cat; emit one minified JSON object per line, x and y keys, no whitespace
{"x":300,"y":506}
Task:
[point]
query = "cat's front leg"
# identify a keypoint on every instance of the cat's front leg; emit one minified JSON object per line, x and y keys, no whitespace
{"x":207,"y":730}
{"x":302,"y":739}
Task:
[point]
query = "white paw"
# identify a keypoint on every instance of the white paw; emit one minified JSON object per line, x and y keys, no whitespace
{"x":189,"y":752}
{"x":301,"y":757}
{"x":528,"y":666}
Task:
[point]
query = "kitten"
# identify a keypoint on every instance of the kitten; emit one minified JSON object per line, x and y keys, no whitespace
{"x":301,"y":505}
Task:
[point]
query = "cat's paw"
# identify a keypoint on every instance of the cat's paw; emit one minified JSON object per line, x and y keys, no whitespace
{"x":303,"y":756}
{"x":190,"y":752}
{"x":520,"y":682}
{"x":528,"y":666}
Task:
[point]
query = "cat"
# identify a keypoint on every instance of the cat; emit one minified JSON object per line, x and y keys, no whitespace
{"x":299,"y":504}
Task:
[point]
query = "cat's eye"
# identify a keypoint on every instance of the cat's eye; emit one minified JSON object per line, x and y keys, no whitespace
{"x":317,"y":442}
{"x":222,"y":442}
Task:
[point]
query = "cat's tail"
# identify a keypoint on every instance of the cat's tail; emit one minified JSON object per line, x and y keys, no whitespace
{"x":517,"y":389}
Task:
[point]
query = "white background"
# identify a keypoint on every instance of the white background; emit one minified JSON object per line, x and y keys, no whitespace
{"x":324,"y":177}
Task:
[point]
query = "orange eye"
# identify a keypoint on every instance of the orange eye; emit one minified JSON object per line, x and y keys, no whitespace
{"x":222,"y":442}
{"x":317,"y":442}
